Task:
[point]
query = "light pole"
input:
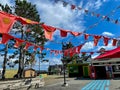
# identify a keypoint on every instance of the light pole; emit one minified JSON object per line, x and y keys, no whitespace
{"x":39,"y":64}
{"x":41,"y":56}
{"x":64,"y":72}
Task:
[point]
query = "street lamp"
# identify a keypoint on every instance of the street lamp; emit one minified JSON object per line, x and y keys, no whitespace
{"x":41,"y":56}
{"x":45,"y":60}
{"x":64,"y":71}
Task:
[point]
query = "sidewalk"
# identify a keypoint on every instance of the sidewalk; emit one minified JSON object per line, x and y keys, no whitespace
{"x":55,"y":83}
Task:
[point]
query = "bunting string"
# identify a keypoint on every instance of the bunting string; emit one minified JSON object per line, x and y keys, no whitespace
{"x":19,"y":42}
{"x":7,"y":20}
{"x":103,"y":17}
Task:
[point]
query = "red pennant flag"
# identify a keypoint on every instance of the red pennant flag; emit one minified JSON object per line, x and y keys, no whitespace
{"x":86,"y":36}
{"x":75,"y":33}
{"x":56,"y":52}
{"x":83,"y":52}
{"x":6,"y":38}
{"x":74,"y":49}
{"x":6,"y":22}
{"x":91,"y":53}
{"x":73,"y":7}
{"x":26,"y":21}
{"x":79,"y":48}
{"x":65,"y":52}
{"x":98,"y":15}
{"x":28,"y":30}
{"x":96,"y":39}
{"x":35,"y":47}
{"x":18,"y":42}
{"x":51,"y":51}
{"x":116,"y":21}
{"x":114,"y":43}
{"x":86,"y":11}
{"x":28,"y":44}
{"x":72,"y":54}
{"x":63,"y":33}
{"x":48,"y":31}
{"x":42,"y":48}
{"x":106,"y":39}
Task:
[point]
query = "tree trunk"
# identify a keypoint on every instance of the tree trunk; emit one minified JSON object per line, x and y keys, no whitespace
{"x":20,"y":67}
{"x":5,"y":61}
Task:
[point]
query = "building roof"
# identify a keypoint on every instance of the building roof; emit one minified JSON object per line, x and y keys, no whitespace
{"x":115,"y":53}
{"x":29,"y":69}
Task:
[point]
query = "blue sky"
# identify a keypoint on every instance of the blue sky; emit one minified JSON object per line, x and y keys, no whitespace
{"x":76,"y":20}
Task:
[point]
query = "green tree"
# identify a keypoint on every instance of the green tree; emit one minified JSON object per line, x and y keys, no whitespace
{"x":36,"y":36}
{"x":67,"y":59}
{"x":7,"y":9}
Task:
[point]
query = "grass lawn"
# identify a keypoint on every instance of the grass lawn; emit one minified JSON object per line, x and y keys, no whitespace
{"x":10,"y":73}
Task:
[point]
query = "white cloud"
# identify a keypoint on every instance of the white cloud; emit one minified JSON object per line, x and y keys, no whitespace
{"x":107,"y":34}
{"x":94,"y":4}
{"x":59,"y":16}
{"x":88,"y":46}
{"x":4,"y":2}
{"x":55,"y":60}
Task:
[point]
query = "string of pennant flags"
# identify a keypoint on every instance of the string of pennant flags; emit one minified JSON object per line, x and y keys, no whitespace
{"x":18,"y":42}
{"x":7,"y":21}
{"x":49,"y":30}
{"x":98,"y":15}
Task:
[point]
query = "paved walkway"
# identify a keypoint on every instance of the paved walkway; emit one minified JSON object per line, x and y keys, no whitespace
{"x":79,"y":84}
{"x":97,"y":85}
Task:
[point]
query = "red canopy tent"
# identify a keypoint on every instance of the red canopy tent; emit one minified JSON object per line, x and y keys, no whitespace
{"x":115,"y":53}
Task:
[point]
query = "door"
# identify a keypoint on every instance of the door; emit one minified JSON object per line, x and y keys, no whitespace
{"x":85,"y":71}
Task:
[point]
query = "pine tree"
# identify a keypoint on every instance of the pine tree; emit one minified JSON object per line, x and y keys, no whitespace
{"x":27,"y":10}
{"x":36,"y":35}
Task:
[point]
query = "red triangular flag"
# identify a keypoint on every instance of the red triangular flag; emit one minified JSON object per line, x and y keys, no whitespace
{"x":73,"y":7}
{"x":83,"y":52}
{"x":106,"y":39}
{"x":114,"y":43}
{"x":75,"y":33}
{"x":18,"y":42}
{"x":74,"y":49}
{"x":96,"y":39}
{"x":35,"y":47}
{"x":26,"y":21}
{"x":28,"y":30}
{"x":6,"y":38}
{"x":91,"y":53}
{"x":79,"y":48}
{"x":65,"y":52}
{"x":6,"y":22}
{"x":28,"y":44}
{"x":63,"y":33}
{"x":41,"y":48}
{"x":86,"y":36}
{"x":86,"y":11}
{"x":49,"y":30}
{"x":72,"y":54}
